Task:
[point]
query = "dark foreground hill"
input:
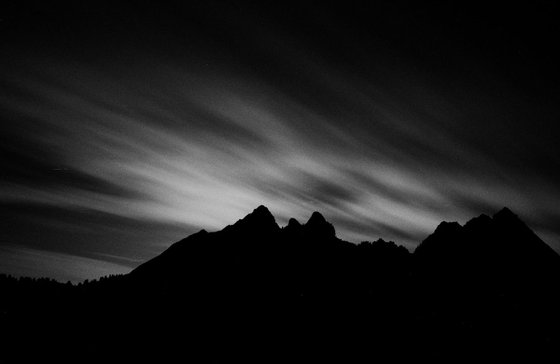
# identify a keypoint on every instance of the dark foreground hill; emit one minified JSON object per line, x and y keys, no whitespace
{"x":255,"y":292}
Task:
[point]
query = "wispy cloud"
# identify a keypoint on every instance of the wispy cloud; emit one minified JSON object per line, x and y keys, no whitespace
{"x":60,"y":266}
{"x":116,"y":143}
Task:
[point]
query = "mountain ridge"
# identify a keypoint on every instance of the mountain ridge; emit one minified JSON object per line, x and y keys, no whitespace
{"x":263,"y":221}
{"x":255,"y":291}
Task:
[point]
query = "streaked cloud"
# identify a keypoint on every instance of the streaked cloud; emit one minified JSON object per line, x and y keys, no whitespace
{"x":62,"y":267}
{"x":141,"y":148}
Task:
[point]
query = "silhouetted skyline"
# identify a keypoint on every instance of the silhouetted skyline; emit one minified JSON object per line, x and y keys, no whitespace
{"x":254,"y":291}
{"x":124,"y":128}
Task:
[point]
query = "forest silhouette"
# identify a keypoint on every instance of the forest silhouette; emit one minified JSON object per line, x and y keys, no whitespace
{"x":256,"y":292}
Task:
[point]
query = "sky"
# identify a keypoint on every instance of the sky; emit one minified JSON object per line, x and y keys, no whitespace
{"x":125,"y":128}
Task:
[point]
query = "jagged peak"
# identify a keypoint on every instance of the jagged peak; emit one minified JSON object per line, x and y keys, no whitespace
{"x":505,"y":213}
{"x":260,"y":218}
{"x":316,"y":217}
{"x":446,"y":226}
{"x":384,"y":246}
{"x":293,"y":227}
{"x":377,"y":243}
{"x":262,"y":210}
{"x":293,"y":223}
{"x":318,"y":224}
{"x":482,"y":219}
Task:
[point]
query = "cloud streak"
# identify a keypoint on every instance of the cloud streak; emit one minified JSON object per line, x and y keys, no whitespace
{"x":179,"y":143}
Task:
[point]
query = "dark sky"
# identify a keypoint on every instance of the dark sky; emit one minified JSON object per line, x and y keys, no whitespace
{"x":124,"y":128}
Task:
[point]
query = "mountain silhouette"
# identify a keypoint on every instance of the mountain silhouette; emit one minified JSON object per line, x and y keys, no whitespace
{"x":488,"y":248}
{"x":503,"y":235}
{"x":499,"y":276}
{"x":258,"y":292}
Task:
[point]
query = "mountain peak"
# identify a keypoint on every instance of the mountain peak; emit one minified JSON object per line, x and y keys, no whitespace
{"x":261,"y":218}
{"x":293,"y":223}
{"x":316,"y":216}
{"x":447,"y":227}
{"x":481,"y":221}
{"x":293,"y":227}
{"x":318,"y":225}
{"x":504,"y":236}
{"x":505,"y":213}
{"x":262,"y":210}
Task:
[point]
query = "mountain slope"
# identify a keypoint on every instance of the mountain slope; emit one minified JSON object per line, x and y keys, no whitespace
{"x":257,"y":292}
{"x":486,"y":248}
{"x":297,"y":259}
{"x":493,"y":283}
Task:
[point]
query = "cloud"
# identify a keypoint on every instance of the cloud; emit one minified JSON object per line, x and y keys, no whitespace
{"x":26,"y":262}
{"x":86,"y":232}
{"x":140,"y":144}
